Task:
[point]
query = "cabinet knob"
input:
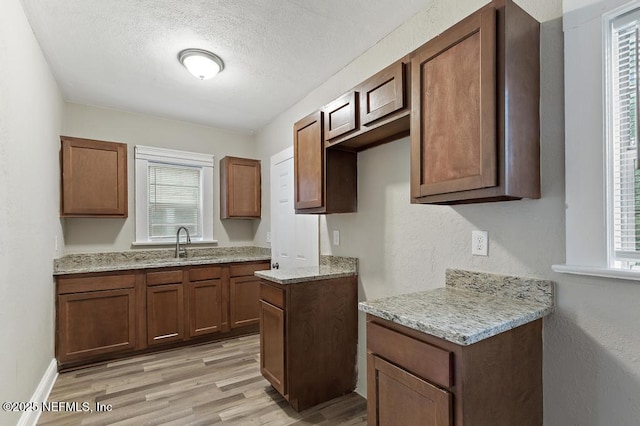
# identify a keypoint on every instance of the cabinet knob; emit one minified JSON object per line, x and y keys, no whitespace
{"x":275,"y":265}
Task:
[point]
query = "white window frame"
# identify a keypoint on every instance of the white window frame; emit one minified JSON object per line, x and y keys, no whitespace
{"x":588,"y":174}
{"x":145,"y":155}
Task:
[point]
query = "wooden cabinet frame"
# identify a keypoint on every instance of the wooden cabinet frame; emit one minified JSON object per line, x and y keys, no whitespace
{"x":94,"y":178}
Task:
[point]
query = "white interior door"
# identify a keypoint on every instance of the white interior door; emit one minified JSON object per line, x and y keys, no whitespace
{"x":294,"y":238}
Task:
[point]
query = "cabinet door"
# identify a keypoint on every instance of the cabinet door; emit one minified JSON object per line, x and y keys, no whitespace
{"x":382,"y":94}
{"x":453,"y":125}
{"x":244,"y":299}
{"x":308,"y":159}
{"x":272,"y":350}
{"x":404,"y":399}
{"x":94,"y":178}
{"x":95,"y":323}
{"x":240,"y":188}
{"x":165,"y":314}
{"x":205,"y":307}
{"x":341,"y":116}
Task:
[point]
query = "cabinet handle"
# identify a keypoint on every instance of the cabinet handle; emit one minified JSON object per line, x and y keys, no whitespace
{"x":275,"y":265}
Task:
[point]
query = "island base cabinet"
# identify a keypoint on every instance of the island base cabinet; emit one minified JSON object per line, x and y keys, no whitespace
{"x":416,"y":378}
{"x":309,"y":339}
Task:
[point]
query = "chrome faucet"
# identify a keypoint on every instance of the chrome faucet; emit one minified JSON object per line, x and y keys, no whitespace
{"x":179,"y":250}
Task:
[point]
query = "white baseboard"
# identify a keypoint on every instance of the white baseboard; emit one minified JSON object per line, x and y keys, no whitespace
{"x":30,"y":418}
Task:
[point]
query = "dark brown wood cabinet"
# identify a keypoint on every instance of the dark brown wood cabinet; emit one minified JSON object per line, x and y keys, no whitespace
{"x":94,"y":178}
{"x":165,"y":306}
{"x":475,"y":102}
{"x":382,"y":110}
{"x":308,"y":339}
{"x":106,"y":315}
{"x":325,"y":181}
{"x":240,"y":188}
{"x":96,"y":315}
{"x":244,"y":294}
{"x":206,"y":310}
{"x":341,"y":116}
{"x":416,"y":378}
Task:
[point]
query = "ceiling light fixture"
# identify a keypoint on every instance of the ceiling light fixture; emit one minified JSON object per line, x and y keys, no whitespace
{"x":201,"y":63}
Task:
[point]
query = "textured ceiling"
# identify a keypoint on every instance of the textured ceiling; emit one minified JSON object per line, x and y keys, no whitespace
{"x":121,"y":54}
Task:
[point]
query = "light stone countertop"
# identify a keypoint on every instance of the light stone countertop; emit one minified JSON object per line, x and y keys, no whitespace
{"x":330,"y":267}
{"x":471,"y":307}
{"x":147,"y":259}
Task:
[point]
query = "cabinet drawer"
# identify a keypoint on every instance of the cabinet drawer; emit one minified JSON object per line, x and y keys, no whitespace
{"x":341,"y":116}
{"x":201,"y":274}
{"x":102,"y":282}
{"x":383,"y":93}
{"x":165,"y":277}
{"x":271,"y":294}
{"x":420,"y":358}
{"x":247,"y":269}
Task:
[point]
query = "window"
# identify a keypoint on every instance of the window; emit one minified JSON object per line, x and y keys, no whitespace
{"x":602,"y":181}
{"x":623,"y":186}
{"x":173,"y":189}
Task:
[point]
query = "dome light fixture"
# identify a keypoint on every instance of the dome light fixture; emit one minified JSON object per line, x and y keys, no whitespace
{"x":201,"y":63}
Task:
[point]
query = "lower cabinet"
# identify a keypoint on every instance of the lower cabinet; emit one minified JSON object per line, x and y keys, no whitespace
{"x":95,"y":316}
{"x":414,"y":378}
{"x":308,"y":339}
{"x":107,"y":315}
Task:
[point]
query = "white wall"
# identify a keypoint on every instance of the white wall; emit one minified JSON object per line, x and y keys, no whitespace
{"x":592,"y":342}
{"x":96,"y":235}
{"x":30,"y":116}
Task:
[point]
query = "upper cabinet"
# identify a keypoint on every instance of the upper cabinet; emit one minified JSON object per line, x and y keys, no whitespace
{"x":475,"y":102}
{"x":240,"y":188}
{"x":325,"y":180}
{"x":94,"y":178}
{"x":374,"y":112}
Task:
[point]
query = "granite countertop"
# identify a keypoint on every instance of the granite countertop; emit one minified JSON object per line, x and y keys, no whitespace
{"x":471,"y":307}
{"x":330,"y":267}
{"x":146,"y":259}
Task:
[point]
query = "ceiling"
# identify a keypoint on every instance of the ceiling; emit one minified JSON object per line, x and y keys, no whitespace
{"x":122,"y":54}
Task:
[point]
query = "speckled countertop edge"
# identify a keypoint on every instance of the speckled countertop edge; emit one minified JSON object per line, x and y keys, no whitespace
{"x":465,"y":313}
{"x":147,"y":259}
{"x":330,"y":267}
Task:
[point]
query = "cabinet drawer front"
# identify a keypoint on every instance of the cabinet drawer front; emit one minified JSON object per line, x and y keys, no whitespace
{"x":426,"y":361}
{"x":201,"y":274}
{"x":341,"y":116}
{"x":101,"y":282}
{"x":383,"y":93}
{"x":248,"y":269}
{"x":165,"y":277}
{"x":271,"y":294}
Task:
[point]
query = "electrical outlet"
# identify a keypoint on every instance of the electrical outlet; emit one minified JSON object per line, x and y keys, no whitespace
{"x":268,"y":236}
{"x":336,"y":237}
{"x":479,"y":243}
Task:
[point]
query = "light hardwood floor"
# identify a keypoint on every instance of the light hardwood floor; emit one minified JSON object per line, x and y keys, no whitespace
{"x":216,"y":383}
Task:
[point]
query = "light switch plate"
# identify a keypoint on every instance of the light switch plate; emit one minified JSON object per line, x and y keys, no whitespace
{"x":479,"y":243}
{"x":336,"y":237}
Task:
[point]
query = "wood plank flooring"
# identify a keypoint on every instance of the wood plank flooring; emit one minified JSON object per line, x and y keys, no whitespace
{"x":216,"y":383}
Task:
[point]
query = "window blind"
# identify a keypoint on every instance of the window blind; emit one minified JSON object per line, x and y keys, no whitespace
{"x":624,"y":104}
{"x":174,"y":200}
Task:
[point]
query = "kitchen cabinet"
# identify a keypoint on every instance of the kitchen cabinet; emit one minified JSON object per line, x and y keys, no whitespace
{"x":107,"y":315}
{"x":325,"y":181}
{"x":244,"y":294}
{"x":165,"y":306}
{"x":308,"y":339}
{"x":378,"y":111}
{"x":416,"y":378}
{"x":240,"y":188}
{"x":475,"y":102}
{"x":96,"y":315}
{"x":94,"y":178}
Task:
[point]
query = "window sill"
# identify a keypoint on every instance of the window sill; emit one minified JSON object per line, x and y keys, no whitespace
{"x":621,"y":274}
{"x":170,"y":243}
